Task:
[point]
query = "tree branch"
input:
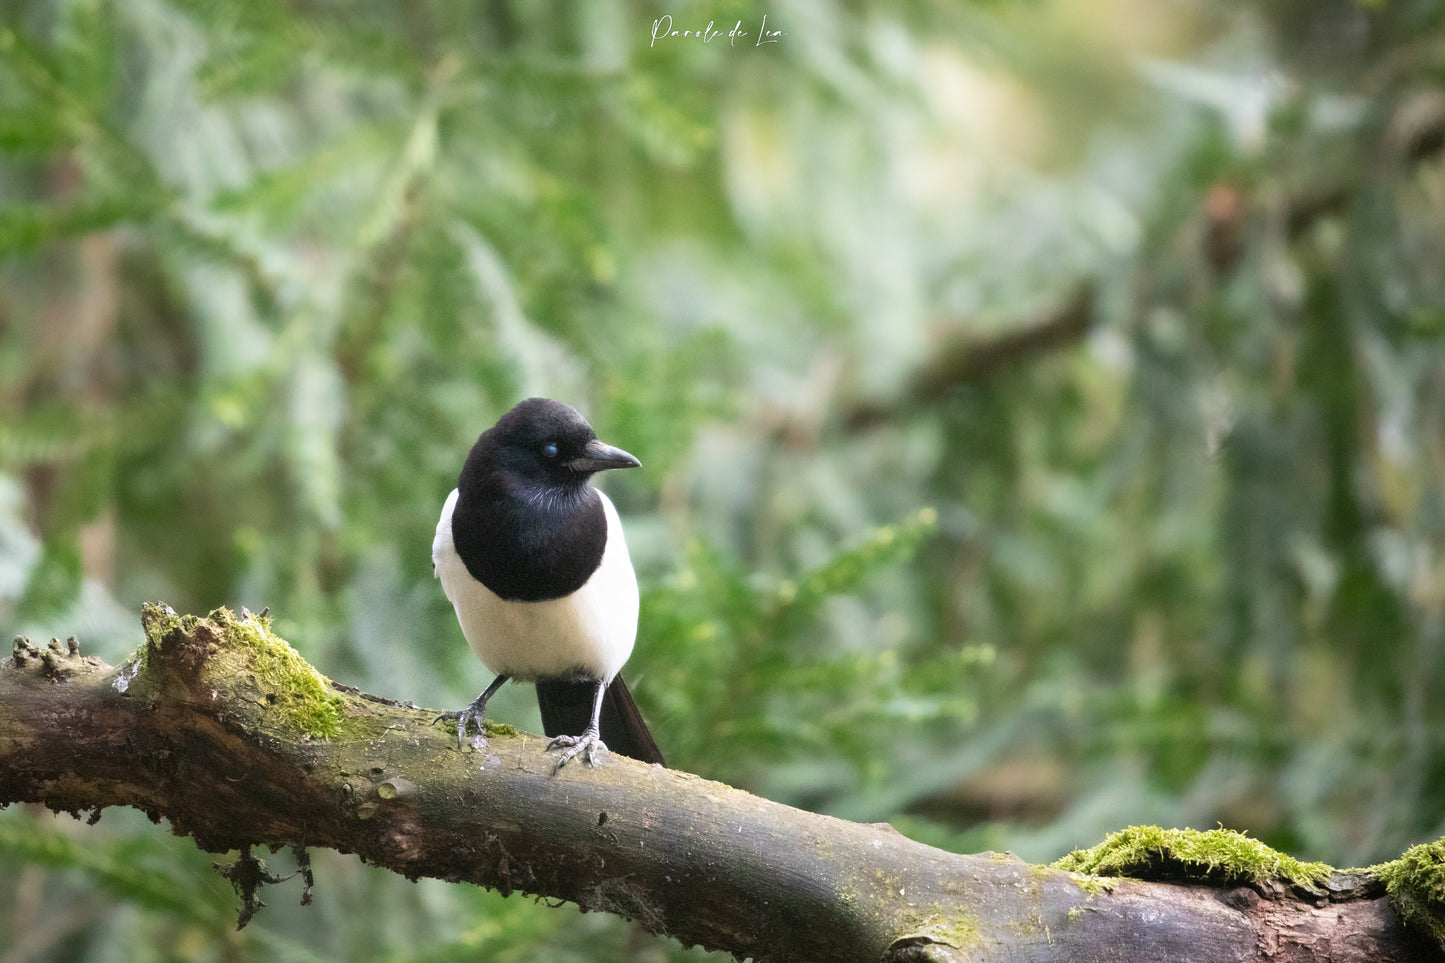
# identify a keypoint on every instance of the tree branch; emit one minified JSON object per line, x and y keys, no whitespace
{"x":218,"y":726}
{"x":967,"y":359}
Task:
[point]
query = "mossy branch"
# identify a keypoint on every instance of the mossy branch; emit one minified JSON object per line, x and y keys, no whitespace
{"x":220,"y":727}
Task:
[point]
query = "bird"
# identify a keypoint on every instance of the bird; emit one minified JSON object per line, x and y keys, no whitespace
{"x":533,"y":559}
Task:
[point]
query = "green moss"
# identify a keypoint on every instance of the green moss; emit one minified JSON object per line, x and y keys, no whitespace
{"x":298,"y":690}
{"x":157,"y":621}
{"x":187,"y":653}
{"x":1416,"y":884}
{"x":1218,"y":855}
{"x":1090,"y":884}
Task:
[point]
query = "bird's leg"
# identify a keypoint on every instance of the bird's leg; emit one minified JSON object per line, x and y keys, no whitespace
{"x":587,"y":744}
{"x":472,"y":712}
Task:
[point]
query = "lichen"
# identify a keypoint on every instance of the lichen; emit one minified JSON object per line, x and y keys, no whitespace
{"x":958,"y":930}
{"x":1216,"y":855}
{"x":1416,"y":884}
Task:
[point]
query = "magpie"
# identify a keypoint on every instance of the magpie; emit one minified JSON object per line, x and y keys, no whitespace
{"x":533,"y":559}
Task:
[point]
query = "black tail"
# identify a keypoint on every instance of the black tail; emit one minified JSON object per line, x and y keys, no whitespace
{"x":567,"y":710}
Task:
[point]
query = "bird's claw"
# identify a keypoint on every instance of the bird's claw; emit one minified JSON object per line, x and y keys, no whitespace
{"x":464,"y":718}
{"x":585,"y":745}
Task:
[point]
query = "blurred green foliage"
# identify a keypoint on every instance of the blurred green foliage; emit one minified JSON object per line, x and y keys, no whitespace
{"x":914,"y":544}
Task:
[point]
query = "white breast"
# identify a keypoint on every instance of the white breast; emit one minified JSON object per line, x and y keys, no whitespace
{"x":591,"y":630}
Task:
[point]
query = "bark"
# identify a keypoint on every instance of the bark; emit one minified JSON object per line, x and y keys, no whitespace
{"x":218,"y":727}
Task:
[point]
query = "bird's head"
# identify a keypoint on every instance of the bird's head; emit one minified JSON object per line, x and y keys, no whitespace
{"x":547,"y":444}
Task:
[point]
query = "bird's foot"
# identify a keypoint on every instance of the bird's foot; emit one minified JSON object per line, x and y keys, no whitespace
{"x":585,"y":745}
{"x":465,"y":717}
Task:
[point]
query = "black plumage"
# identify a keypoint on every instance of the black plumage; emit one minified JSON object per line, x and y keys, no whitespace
{"x":528,"y":527}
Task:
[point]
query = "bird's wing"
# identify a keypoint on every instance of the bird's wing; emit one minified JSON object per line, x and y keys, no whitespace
{"x":442,"y":544}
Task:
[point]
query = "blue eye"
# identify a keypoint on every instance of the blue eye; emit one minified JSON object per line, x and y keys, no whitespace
{"x":550,"y":450}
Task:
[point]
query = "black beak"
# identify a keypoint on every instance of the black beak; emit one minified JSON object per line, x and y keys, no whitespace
{"x":599,"y":457}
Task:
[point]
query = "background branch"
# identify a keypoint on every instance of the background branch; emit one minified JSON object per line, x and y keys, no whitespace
{"x":966,"y":358}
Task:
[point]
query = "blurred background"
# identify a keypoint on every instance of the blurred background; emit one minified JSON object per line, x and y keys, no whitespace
{"x":1042,"y":404}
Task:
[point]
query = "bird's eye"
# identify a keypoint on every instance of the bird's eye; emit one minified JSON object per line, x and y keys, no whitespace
{"x":550,"y":449}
